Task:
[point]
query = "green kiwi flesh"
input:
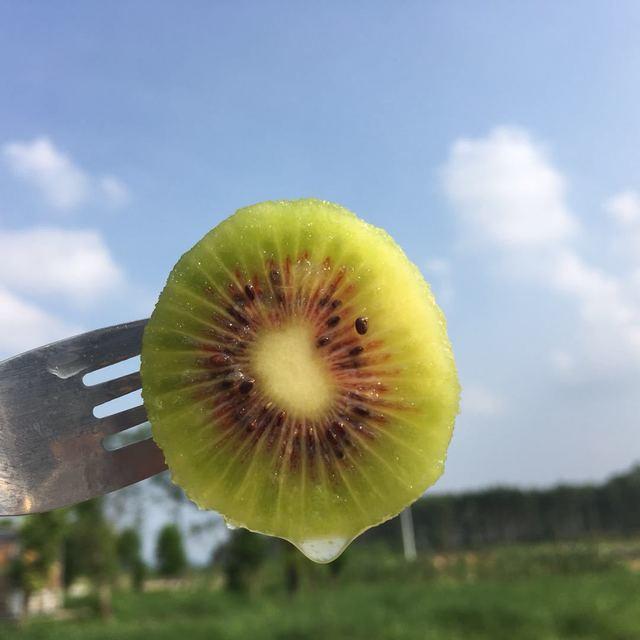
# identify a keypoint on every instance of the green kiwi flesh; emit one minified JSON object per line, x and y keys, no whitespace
{"x":298,"y":376}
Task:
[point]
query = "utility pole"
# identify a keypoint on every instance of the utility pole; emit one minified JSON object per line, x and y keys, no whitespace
{"x":408,"y":535}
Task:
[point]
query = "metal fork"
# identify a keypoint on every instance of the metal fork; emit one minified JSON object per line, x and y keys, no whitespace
{"x":51,"y":445}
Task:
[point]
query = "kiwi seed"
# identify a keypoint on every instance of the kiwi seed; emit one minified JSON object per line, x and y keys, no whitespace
{"x":362,"y":324}
{"x":250,"y":291}
{"x":246,"y":386}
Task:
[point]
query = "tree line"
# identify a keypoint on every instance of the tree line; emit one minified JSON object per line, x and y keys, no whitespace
{"x":505,"y":515}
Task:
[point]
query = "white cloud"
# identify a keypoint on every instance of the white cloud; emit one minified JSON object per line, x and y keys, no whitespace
{"x":508,"y":195}
{"x":482,"y":402}
{"x":597,"y":291}
{"x":25,"y":326}
{"x":45,"y":261}
{"x":63,"y":184}
{"x":505,"y":191}
{"x":624,"y":207}
{"x":48,"y":263}
{"x":114,"y":190}
{"x":38,"y":162}
{"x":610,"y":316}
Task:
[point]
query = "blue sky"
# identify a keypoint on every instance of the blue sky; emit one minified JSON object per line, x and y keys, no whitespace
{"x":498,"y":142}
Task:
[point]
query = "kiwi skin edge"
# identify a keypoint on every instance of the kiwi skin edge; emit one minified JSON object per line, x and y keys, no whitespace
{"x":298,"y":376}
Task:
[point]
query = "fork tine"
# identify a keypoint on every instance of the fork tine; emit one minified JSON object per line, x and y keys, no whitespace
{"x":131,"y":464}
{"x":97,"y":349}
{"x":112,"y":389}
{"x":121,"y":421}
{"x":112,"y":346}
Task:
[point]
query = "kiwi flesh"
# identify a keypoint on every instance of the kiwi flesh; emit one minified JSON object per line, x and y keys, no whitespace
{"x":298,"y":376}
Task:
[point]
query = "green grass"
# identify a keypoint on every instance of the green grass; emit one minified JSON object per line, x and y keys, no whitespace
{"x":590,"y":605}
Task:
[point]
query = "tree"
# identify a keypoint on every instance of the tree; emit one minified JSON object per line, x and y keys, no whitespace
{"x":170,"y":554}
{"x":91,"y":551}
{"x":71,"y":569}
{"x":241,"y":557}
{"x":130,"y":557}
{"x":291,"y":567}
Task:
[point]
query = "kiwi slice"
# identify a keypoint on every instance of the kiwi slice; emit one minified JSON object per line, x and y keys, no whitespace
{"x":298,"y":376}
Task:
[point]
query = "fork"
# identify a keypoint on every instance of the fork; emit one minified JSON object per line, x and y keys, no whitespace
{"x":52,"y":451}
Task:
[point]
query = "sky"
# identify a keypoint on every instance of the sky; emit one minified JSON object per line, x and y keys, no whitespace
{"x":498,"y":143}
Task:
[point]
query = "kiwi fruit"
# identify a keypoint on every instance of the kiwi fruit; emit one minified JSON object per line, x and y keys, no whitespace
{"x":298,"y":376}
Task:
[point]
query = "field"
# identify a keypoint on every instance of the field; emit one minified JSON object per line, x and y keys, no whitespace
{"x":542,"y":593}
